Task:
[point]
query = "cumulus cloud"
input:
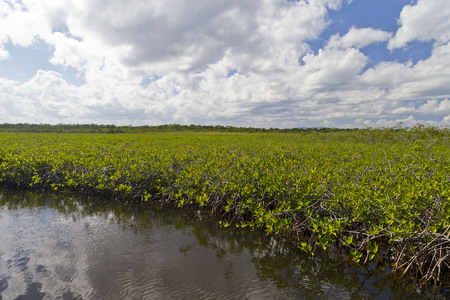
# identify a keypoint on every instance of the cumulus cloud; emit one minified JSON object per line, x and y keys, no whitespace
{"x":359,"y":38}
{"x":435,"y":107}
{"x":237,"y":62}
{"x":331,"y":69}
{"x":22,"y":22}
{"x":340,"y":62}
{"x":427,"y":78}
{"x":427,"y":20}
{"x":174,"y":35}
{"x":168,"y":34}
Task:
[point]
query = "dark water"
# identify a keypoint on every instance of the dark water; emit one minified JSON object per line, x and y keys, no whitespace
{"x":62,"y":247}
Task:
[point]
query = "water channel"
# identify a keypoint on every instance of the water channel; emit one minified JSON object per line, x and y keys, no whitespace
{"x":59,"y":246}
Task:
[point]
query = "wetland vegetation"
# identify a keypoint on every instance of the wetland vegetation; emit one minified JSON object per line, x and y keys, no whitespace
{"x":374,"y":196}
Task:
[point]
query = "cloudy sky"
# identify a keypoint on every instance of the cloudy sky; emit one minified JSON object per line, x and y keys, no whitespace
{"x":259,"y":63}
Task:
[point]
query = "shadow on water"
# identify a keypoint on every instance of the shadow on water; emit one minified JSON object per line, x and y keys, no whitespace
{"x":65,"y":247}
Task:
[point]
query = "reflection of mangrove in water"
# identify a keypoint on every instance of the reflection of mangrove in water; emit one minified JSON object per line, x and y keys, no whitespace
{"x":86,"y":251}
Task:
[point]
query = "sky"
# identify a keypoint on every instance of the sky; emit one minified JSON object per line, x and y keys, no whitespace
{"x":252,"y":63}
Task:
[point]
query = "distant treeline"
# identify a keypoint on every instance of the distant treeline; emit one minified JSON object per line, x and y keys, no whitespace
{"x":94,"y":128}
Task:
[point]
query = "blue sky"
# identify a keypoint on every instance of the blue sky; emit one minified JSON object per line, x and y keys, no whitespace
{"x":267,"y":63}
{"x":380,"y":14}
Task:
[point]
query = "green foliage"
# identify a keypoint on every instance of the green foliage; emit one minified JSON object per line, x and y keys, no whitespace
{"x":167,"y":128}
{"x":371,"y":192}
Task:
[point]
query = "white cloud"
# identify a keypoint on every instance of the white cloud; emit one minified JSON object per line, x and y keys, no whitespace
{"x":155,"y":37}
{"x":359,"y":38}
{"x":22,"y":22}
{"x":339,"y":63}
{"x":427,"y":78}
{"x":435,"y":107}
{"x":68,"y":51}
{"x":4,"y":55}
{"x":214,"y":62}
{"x":409,"y":121}
{"x":192,"y":49}
{"x":446,"y":121}
{"x":331,"y":68}
{"x":427,"y":20}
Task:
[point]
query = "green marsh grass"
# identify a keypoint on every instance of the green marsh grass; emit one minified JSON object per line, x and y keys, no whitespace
{"x":376,"y":195}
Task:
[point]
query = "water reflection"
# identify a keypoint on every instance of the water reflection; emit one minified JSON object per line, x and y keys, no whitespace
{"x":62,"y":247}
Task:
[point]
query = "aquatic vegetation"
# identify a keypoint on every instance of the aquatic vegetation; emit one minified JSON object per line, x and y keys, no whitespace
{"x":379,"y":195}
